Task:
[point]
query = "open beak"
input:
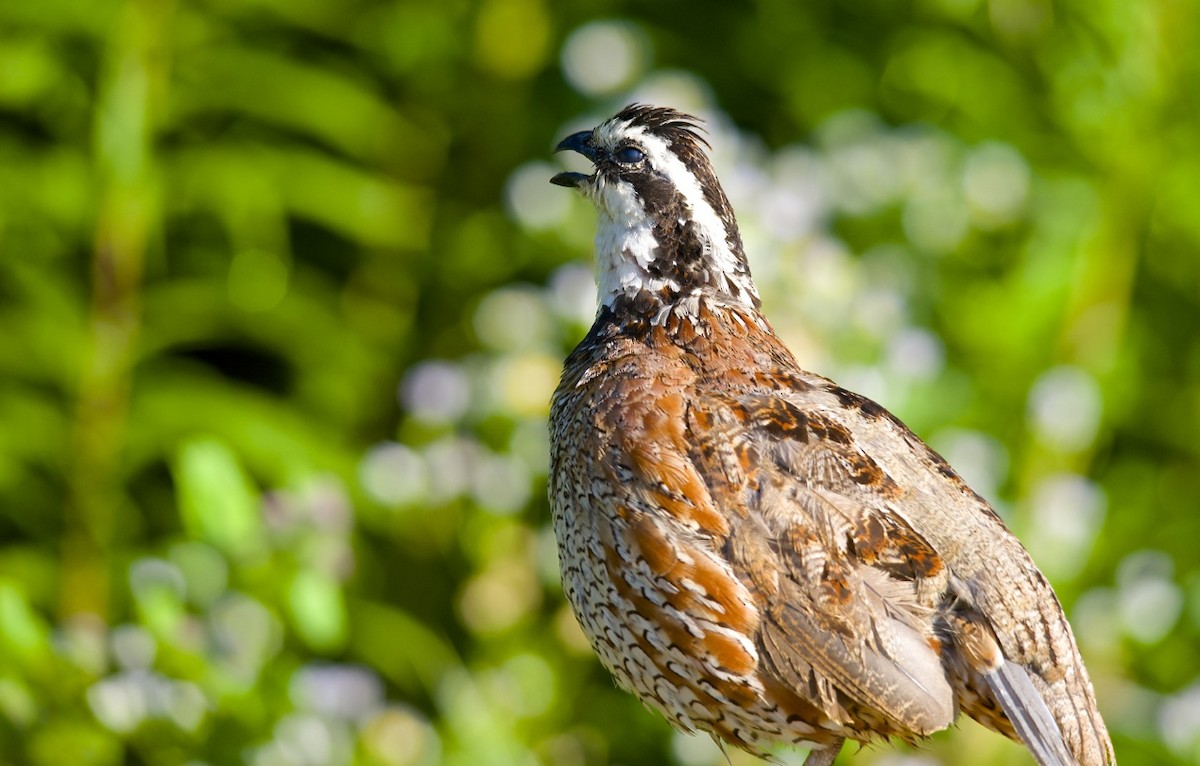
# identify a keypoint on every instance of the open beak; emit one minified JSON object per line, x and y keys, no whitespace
{"x":577,"y":142}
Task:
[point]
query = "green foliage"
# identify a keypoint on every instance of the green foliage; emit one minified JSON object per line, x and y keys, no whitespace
{"x":284,"y":293}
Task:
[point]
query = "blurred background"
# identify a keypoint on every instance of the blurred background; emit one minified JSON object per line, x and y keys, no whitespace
{"x":284,"y":293}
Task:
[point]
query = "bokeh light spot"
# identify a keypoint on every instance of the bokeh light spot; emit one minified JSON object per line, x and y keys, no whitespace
{"x":573,"y":293}
{"x":1148,"y":600}
{"x":532,"y":200}
{"x":393,"y":474}
{"x":436,"y":391}
{"x":398,"y":736}
{"x":1068,"y":510}
{"x":604,"y":56}
{"x":915,"y":354}
{"x":348,"y":692}
{"x":450,"y":462}
{"x":1065,"y":408}
{"x":996,"y":184}
{"x":500,"y":596}
{"x":936,"y":221}
{"x":1179,"y":721}
{"x":500,"y":484}
{"x":133,"y":647}
{"x":513,"y":319}
{"x":524,"y":383}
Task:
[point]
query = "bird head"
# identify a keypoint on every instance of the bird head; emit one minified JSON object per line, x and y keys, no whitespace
{"x":666,"y":228}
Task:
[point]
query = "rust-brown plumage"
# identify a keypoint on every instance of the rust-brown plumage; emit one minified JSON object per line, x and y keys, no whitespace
{"x":752,"y":550}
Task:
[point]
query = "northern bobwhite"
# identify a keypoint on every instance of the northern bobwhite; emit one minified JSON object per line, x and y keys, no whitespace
{"x":751,"y":550}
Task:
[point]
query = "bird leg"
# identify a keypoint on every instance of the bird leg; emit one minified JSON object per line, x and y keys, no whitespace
{"x":826,"y":755}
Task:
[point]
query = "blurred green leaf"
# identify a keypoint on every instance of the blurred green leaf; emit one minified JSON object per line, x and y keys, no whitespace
{"x":318,"y":610}
{"x":295,"y":93}
{"x":18,"y":702}
{"x":24,"y":635}
{"x":406,"y":651}
{"x":217,"y":501}
{"x":76,"y":741}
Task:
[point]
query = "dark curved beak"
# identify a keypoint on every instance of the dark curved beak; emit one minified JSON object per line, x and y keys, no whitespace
{"x":580,"y":142}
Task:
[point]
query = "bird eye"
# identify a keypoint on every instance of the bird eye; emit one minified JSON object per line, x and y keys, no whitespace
{"x":630,"y":155}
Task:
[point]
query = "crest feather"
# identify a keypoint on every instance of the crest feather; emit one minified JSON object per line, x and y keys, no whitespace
{"x":670,"y":124}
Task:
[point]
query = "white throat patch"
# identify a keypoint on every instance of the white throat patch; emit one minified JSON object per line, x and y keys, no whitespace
{"x":625,"y":243}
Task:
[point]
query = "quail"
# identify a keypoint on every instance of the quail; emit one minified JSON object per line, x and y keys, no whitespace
{"x":752,"y":550}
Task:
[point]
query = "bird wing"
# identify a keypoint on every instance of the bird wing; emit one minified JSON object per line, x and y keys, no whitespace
{"x":1018,"y":648}
{"x":846,"y":586}
{"x":894,"y":568}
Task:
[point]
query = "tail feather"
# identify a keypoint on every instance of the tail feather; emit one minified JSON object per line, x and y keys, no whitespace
{"x":1029,"y":714}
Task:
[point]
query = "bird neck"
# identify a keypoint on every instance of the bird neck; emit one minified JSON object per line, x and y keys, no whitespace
{"x":670,"y":266}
